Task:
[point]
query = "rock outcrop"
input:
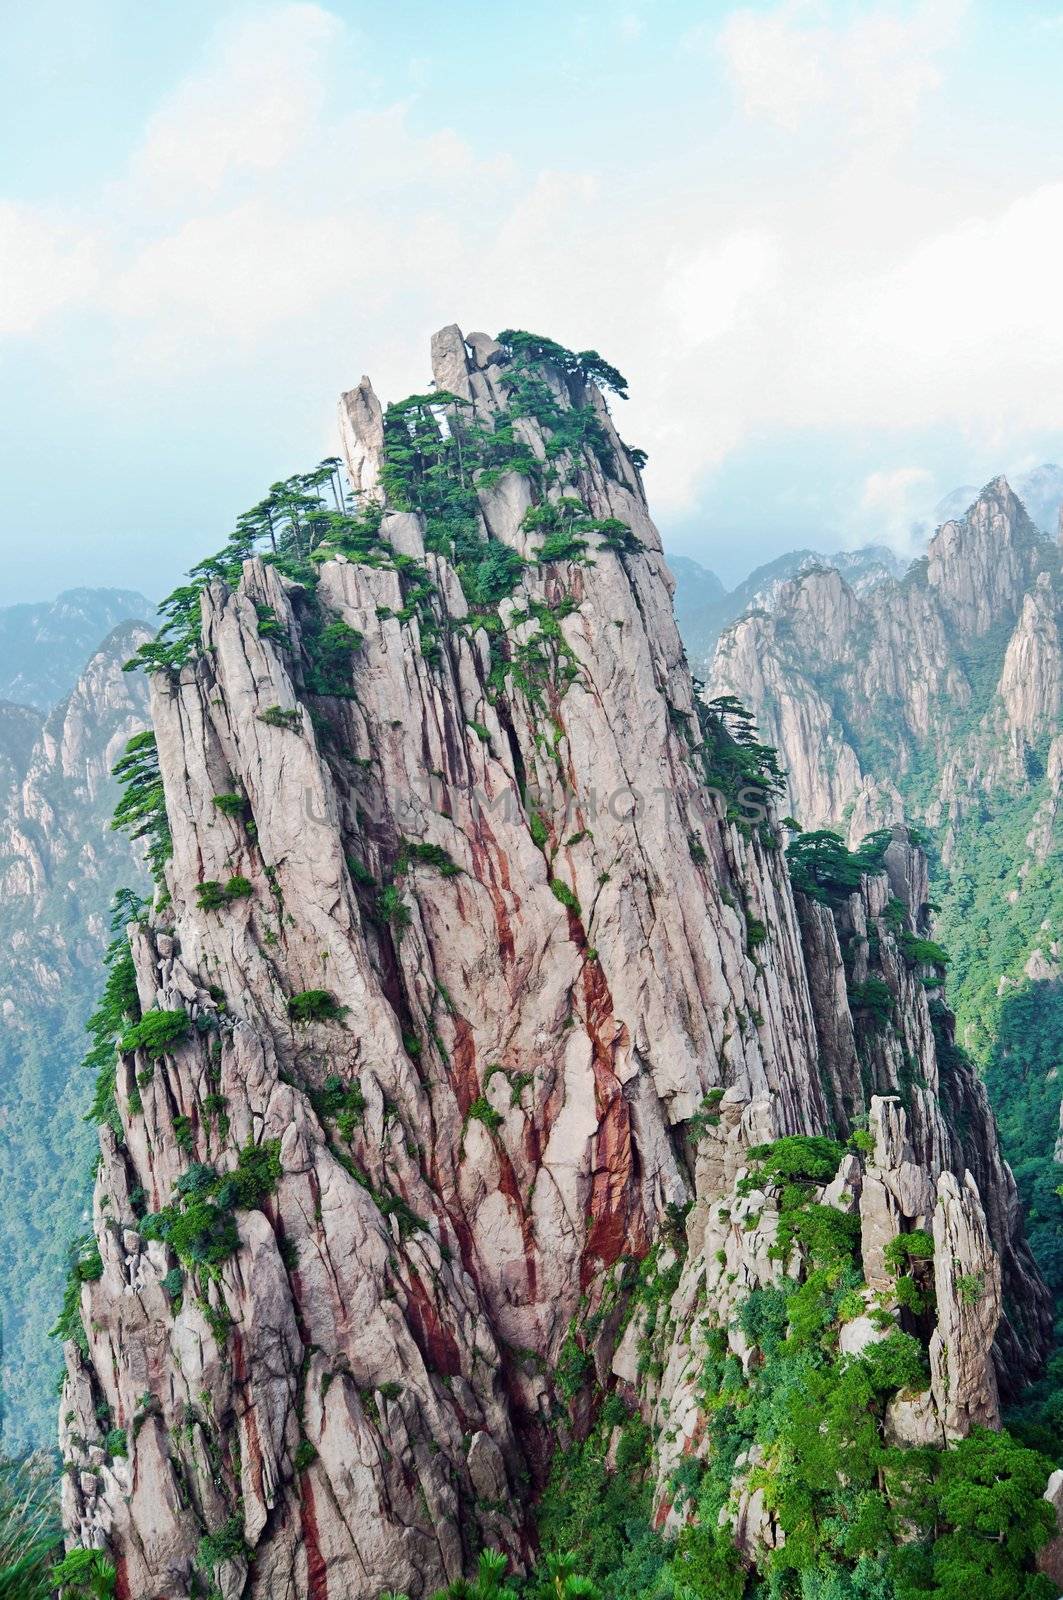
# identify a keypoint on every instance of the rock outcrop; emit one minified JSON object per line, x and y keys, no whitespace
{"x":475,"y":984}
{"x":853,"y":689}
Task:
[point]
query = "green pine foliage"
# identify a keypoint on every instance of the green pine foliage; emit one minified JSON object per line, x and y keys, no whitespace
{"x":198,"y":1224}
{"x":734,"y":763}
{"x":157,"y":1033}
{"x":315,"y":1005}
{"x":141,"y":810}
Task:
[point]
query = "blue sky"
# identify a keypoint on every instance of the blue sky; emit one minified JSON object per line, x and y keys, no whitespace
{"x":822,"y":240}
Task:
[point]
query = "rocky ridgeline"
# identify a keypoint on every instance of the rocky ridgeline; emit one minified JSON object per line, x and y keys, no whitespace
{"x":469,"y":1024}
{"x":853,"y":687}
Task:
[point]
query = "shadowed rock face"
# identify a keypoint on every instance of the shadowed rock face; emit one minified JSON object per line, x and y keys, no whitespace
{"x":587,"y":949}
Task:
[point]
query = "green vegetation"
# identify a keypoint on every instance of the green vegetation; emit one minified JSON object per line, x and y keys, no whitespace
{"x":586,"y":366}
{"x":29,"y":1535}
{"x":157,"y":1033}
{"x":141,"y":809}
{"x":226,"y":1543}
{"x":821,"y":866}
{"x":230,"y":805}
{"x":278,"y":717}
{"x":342,"y":1103}
{"x":330,"y":648}
{"x":991,"y":921}
{"x":213,"y":896}
{"x":84,"y":1575}
{"x":809,"y":1157}
{"x":567,"y":897}
{"x":198,"y":1224}
{"x":734,"y":763}
{"x":316,"y":1005}
{"x":483,"y":1111}
{"x":425,"y":855}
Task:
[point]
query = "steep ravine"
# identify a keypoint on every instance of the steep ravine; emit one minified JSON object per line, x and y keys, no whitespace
{"x":485,"y":1071}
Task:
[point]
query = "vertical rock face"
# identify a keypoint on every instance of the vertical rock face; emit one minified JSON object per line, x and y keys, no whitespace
{"x":500,"y":986}
{"x":853,"y":688}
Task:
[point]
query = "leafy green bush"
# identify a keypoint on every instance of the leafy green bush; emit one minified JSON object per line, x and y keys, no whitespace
{"x":391,"y":908}
{"x":874,"y":999}
{"x":330,"y":650}
{"x":567,"y":897}
{"x":906,"y":1247}
{"x":810,"y":1156}
{"x":84,"y":1575}
{"x":226,"y":1543}
{"x":230,"y":805}
{"x":345,"y":1103}
{"x":157,"y":1033}
{"x":202,"y":1235}
{"x":538,"y":830}
{"x":924,"y":952}
{"x":896,"y":1362}
{"x":483,"y":1111}
{"x":212,"y":896}
{"x":315,"y":1005}
{"x":426,"y":855}
{"x":989,"y":1496}
{"x":257,"y":1174}
{"x":278,"y":717}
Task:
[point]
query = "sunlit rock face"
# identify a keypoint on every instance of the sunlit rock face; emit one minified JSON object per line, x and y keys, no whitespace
{"x":563,"y":987}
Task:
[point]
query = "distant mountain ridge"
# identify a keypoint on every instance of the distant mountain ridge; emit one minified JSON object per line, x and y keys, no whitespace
{"x":45,"y":644}
{"x":1040,"y":490}
{"x":704,"y":607}
{"x":60,"y":864}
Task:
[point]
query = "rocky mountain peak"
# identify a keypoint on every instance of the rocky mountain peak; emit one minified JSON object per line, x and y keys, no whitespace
{"x":478,"y":1029}
{"x":980,"y":566}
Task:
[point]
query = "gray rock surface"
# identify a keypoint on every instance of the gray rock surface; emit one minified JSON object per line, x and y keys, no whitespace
{"x":368,"y":1381}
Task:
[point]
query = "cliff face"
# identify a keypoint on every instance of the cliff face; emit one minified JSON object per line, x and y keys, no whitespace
{"x":476,"y":993}
{"x":854,"y":689}
{"x":938,"y":700}
{"x":59,"y":867}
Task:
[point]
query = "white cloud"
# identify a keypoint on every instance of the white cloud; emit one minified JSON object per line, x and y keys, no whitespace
{"x":246,"y":111}
{"x":893,"y":508}
{"x":706,"y":289}
{"x":45,"y":267}
{"x":872,"y":74}
{"x":272,"y":209}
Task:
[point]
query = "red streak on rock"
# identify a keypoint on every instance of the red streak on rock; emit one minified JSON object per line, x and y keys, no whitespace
{"x":463,"y":1064}
{"x":492,"y":870}
{"x":618,"y":1226}
{"x":254,"y":1444}
{"x":434,"y":1340}
{"x":316,"y":1570}
{"x":122,"y":1590}
{"x":661,"y":1516}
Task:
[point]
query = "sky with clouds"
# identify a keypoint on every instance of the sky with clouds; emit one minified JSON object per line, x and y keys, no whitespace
{"x":822,"y":240}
